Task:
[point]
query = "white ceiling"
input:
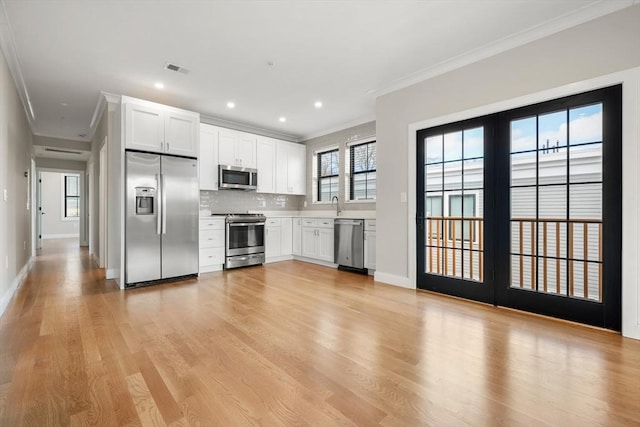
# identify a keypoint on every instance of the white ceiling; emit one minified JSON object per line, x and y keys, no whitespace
{"x":342,"y":53}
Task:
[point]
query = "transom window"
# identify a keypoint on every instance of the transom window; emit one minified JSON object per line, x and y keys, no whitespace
{"x":362,"y":173}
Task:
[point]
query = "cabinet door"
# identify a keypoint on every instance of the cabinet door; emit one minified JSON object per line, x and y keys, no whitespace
{"x":296,"y":168}
{"x":309,"y":240}
{"x":208,"y":157}
{"x":282,"y":167}
{"x":286,"y":237}
{"x":181,"y":133}
{"x":266,"y":162}
{"x":272,"y":242}
{"x":227,"y":142}
{"x":370,"y":250}
{"x":246,"y":150}
{"x":144,"y":127}
{"x":325,"y":244}
{"x":296,"y":244}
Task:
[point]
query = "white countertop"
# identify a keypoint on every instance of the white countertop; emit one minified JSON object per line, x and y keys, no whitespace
{"x":370,"y":214}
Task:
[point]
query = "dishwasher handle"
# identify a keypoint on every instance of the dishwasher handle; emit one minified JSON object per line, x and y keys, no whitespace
{"x":349,"y":222}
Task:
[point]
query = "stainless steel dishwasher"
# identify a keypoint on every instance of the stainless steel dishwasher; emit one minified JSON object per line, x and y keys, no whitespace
{"x":349,"y":244}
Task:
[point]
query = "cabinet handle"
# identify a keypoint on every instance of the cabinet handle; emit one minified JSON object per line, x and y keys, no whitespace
{"x":167,"y":146}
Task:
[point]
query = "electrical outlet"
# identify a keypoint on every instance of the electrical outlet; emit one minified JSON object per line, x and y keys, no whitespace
{"x":305,"y":204}
{"x":403,"y":197}
{"x":4,"y":195}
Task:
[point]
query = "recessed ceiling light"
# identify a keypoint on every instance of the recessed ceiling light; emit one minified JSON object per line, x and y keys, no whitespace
{"x":283,"y":119}
{"x":231,"y":104}
{"x":159,"y":85}
{"x":318,"y":104}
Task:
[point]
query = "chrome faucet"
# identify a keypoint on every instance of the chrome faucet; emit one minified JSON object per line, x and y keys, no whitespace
{"x":338,"y":210}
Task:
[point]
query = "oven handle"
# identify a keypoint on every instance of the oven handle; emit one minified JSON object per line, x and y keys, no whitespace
{"x":244,"y":224}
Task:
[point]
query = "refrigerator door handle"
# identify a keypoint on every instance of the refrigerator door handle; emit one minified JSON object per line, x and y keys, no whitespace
{"x":164,"y":204}
{"x":159,"y":204}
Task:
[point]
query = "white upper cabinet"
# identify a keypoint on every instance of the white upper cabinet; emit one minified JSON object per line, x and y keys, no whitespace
{"x":160,"y":129}
{"x":266,"y":164}
{"x":237,"y":148}
{"x":208,"y":158}
{"x":290,"y":167}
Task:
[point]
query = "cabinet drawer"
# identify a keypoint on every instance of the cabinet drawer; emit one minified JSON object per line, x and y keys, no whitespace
{"x":211,"y":256}
{"x":370,"y":224}
{"x":325,"y":223}
{"x":211,"y":224}
{"x":212,"y":239}
{"x":309,"y":222}
{"x":273,"y":222}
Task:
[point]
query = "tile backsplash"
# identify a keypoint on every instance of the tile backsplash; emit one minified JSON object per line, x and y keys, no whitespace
{"x":243,"y":201}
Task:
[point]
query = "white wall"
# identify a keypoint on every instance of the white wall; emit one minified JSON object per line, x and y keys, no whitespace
{"x":606,"y":45}
{"x":15,"y":160}
{"x":53,"y":223}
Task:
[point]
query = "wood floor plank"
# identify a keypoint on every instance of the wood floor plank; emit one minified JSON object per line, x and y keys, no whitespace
{"x":292,"y":343}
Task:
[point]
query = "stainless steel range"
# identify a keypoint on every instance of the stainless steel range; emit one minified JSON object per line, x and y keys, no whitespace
{"x":244,"y":240}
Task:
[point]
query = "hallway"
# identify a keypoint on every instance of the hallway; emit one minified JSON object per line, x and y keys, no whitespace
{"x":293,"y":343}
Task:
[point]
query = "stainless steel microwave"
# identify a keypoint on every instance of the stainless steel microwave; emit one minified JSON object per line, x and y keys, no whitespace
{"x":237,"y":178}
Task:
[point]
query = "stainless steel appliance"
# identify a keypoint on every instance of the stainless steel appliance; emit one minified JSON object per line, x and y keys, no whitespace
{"x":349,"y":244}
{"x":237,"y":178}
{"x":162,"y":210}
{"x":245,"y":240}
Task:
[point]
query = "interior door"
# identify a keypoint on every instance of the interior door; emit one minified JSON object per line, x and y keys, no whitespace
{"x":40,"y":212}
{"x":455,"y":209}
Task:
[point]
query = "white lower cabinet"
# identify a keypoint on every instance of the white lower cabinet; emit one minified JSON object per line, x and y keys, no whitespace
{"x":296,"y":244}
{"x":212,"y":242}
{"x":370,"y":244}
{"x":317,"y":239}
{"x":278,"y":235}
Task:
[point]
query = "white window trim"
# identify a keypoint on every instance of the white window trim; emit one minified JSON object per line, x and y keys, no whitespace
{"x":314,"y":172}
{"x":62,"y":198}
{"x":347,"y":169}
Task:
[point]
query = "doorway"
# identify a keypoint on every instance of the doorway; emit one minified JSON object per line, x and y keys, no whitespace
{"x":523,"y":208}
{"x":59,"y":196}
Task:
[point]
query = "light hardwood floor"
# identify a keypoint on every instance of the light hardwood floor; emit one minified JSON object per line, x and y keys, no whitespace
{"x":294,"y":344}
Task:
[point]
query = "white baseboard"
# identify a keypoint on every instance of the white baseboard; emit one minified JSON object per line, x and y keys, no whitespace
{"x":392,"y":279}
{"x":278,"y":259}
{"x":15,"y":284}
{"x":111,"y":273}
{"x":59,"y":236}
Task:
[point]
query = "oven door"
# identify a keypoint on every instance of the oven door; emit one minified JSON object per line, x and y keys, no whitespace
{"x":245,"y":238}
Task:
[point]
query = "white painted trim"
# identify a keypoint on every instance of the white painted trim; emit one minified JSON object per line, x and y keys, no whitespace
{"x":242,"y":127}
{"x":15,"y":284}
{"x":210,"y":269}
{"x":346,"y":125}
{"x":555,"y":25}
{"x":393,"y":279}
{"x":60,"y":236}
{"x":315,"y":261}
{"x":103,"y":100}
{"x":278,"y":259}
{"x":630,"y":80}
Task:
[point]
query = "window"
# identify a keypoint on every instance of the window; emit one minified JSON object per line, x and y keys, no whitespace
{"x":462,"y":206}
{"x":71,"y":202}
{"x":362,"y":173}
{"x":328,"y":175}
{"x":433,"y":206}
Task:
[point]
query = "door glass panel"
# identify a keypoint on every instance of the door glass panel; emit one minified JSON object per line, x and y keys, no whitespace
{"x":453,"y":217}
{"x":556,"y":203}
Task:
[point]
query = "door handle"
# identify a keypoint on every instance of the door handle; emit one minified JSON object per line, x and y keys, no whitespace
{"x":164,"y":205}
{"x":159,"y":205}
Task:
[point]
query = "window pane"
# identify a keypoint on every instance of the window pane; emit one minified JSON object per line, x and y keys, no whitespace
{"x":371,"y":156}
{"x":585,"y":124}
{"x":523,"y":135}
{"x":453,"y":146}
{"x":359,"y":158}
{"x":552,"y":130}
{"x":474,"y":143}
{"x":73,"y":208}
{"x":433,"y":205}
{"x":335,"y":167}
{"x":433,"y":149}
{"x":72,"y":185}
{"x":371,"y":185}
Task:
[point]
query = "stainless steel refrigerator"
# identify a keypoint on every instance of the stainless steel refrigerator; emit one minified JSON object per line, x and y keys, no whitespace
{"x":162,"y":211}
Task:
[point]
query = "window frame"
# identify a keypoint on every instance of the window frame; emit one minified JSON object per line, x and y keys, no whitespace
{"x":350,"y":173}
{"x":65,"y":196}
{"x":317,"y":177}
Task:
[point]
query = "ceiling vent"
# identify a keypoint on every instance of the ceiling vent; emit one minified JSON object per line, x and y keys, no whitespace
{"x":56,"y":150}
{"x":178,"y":69}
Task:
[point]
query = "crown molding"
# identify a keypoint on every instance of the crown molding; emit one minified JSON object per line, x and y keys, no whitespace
{"x":104,"y":99}
{"x":8,"y":46}
{"x":229,"y":124}
{"x":346,"y":125}
{"x":555,"y":25}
